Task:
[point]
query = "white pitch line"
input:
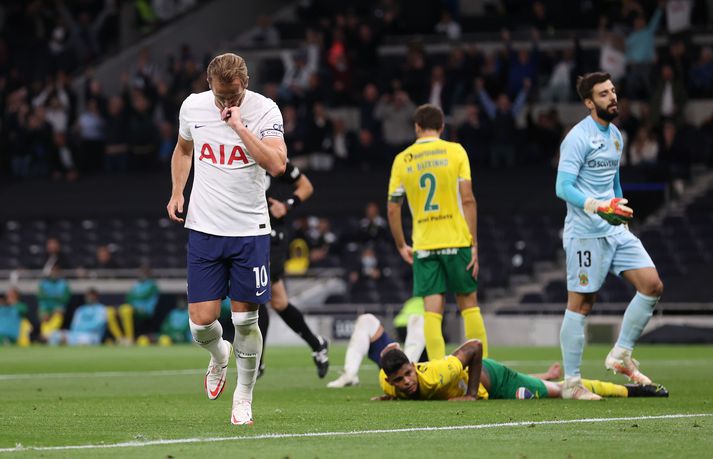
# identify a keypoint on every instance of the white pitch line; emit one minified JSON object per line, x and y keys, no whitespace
{"x":132,"y":444}
{"x":649,"y":363}
{"x":99,"y":374}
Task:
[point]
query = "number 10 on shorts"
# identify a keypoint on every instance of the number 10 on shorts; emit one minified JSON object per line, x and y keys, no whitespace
{"x":260,"y":276}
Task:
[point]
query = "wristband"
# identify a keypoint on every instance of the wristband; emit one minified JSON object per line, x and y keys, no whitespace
{"x":591,"y":205}
{"x":293,"y":201}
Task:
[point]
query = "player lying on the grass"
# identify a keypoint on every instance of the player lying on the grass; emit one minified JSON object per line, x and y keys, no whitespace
{"x":370,"y":339}
{"x":466,"y":375}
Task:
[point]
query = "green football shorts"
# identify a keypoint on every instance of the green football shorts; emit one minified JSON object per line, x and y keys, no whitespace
{"x":441,"y":271}
{"x":505,"y":382}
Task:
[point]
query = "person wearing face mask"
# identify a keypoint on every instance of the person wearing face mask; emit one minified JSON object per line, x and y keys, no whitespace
{"x":232,"y":136}
{"x":365,"y":272}
{"x":370,"y":264}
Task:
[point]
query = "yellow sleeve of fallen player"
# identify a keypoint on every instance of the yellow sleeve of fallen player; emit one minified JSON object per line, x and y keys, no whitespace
{"x":446,"y":370}
{"x":459,"y":374}
{"x":441,"y":379}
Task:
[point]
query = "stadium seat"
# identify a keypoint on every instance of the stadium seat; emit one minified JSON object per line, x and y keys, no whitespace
{"x":532,"y":298}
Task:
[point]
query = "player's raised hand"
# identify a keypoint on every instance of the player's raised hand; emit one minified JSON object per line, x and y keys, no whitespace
{"x":278,"y":209}
{"x":231,"y":115}
{"x":473,"y":266}
{"x":174,"y":207}
{"x":406,"y":253}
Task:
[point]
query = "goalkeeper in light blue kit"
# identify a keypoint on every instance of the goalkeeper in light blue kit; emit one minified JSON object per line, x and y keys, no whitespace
{"x":596,"y":236}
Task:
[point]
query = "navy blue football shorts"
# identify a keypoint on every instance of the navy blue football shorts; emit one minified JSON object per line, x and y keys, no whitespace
{"x":220,"y":266}
{"x":377,"y":346}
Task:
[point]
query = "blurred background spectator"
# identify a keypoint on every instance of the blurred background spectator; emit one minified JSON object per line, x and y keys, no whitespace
{"x":347,"y":77}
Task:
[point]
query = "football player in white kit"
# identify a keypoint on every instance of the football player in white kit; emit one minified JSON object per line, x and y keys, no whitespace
{"x":232,"y":136}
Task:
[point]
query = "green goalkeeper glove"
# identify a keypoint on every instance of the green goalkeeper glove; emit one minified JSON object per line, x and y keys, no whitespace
{"x":613,"y":211}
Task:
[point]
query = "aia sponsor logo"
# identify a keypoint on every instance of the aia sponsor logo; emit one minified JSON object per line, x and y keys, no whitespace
{"x":237,"y":155}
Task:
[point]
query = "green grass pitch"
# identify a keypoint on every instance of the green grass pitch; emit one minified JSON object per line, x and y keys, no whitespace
{"x":52,"y":398}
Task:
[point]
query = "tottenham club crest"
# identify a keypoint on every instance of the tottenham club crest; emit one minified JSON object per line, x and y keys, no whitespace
{"x":583,"y":279}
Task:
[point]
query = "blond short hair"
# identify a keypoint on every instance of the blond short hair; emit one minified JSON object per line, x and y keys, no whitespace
{"x":227,"y":67}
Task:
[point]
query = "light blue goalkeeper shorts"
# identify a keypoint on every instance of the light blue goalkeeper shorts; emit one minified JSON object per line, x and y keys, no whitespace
{"x":589,"y":260}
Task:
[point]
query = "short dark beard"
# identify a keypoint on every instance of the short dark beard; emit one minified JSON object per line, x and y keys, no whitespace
{"x":604,"y":114}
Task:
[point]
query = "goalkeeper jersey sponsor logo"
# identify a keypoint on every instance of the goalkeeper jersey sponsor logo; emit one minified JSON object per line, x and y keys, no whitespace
{"x":600,"y":163}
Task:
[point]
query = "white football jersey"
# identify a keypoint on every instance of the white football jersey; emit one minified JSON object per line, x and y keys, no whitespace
{"x":228,"y":196}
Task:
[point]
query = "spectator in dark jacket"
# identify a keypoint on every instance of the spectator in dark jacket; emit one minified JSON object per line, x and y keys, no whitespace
{"x":142,"y":134}
{"x":669,"y":97}
{"x":674,"y":156}
{"x":702,"y":73}
{"x":523,"y":64}
{"x":474,"y":134}
{"x":502,"y":115}
{"x":116,"y":155}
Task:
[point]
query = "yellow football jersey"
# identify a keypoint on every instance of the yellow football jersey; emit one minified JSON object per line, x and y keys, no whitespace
{"x":427,"y":173}
{"x":437,"y":380}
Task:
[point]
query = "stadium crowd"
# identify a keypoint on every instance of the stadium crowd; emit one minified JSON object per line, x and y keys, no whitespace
{"x":48,"y":133}
{"x":52,"y":129}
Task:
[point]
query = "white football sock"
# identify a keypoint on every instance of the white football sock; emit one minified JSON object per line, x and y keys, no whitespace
{"x":248,"y":347}
{"x":415,"y":339}
{"x":619,"y":352}
{"x":365,"y":328}
{"x":210,"y":338}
